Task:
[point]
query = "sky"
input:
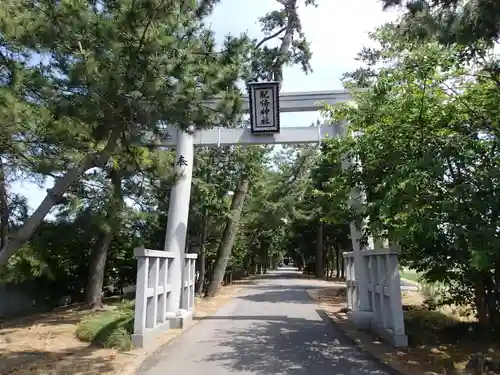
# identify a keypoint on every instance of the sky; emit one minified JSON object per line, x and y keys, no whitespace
{"x":337,"y":30}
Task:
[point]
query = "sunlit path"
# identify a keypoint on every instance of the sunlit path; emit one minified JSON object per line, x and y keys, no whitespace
{"x":275,"y":328}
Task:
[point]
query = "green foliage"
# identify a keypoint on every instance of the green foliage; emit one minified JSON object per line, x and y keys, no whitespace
{"x":268,"y":62}
{"x":110,"y":53}
{"x":82,"y":82}
{"x":422,"y":145}
{"x":453,"y":21}
{"x":56,"y":265}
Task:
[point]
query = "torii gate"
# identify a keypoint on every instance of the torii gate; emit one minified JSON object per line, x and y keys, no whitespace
{"x":165,"y":279}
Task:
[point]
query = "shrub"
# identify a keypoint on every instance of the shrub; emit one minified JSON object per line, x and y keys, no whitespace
{"x":434,"y":294}
{"x":109,"y":329}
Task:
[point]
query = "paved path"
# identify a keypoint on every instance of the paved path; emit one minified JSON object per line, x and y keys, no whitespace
{"x":407,"y":285}
{"x":274,"y":329}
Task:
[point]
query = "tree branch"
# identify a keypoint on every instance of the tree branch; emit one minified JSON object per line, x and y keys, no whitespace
{"x":272,"y":36}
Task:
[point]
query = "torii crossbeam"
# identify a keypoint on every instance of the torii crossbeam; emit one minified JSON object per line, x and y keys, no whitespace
{"x":288,"y":102}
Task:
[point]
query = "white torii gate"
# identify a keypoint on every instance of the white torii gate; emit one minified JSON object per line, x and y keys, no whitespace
{"x":165,"y":279}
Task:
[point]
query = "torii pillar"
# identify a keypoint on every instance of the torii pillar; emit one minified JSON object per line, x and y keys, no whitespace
{"x":177,"y":223}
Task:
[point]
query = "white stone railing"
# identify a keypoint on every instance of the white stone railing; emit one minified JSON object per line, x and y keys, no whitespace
{"x":188,"y":281}
{"x":152,"y":294}
{"x":384,"y":292}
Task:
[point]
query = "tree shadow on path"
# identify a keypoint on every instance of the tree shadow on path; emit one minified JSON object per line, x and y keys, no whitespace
{"x":283,"y":345}
{"x":282,"y":295}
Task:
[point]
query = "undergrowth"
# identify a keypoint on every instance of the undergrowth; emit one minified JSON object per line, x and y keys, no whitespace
{"x":110,"y":328}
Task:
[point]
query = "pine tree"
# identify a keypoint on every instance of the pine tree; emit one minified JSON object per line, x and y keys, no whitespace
{"x":452,"y":21}
{"x":103,"y":73}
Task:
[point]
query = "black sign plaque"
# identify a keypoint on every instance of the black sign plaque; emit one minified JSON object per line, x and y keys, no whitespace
{"x":264,"y":103}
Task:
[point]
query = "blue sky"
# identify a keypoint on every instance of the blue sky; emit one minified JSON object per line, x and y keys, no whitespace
{"x":337,"y":30}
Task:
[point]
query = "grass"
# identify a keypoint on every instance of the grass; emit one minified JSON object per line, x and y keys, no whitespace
{"x":114,"y":328}
{"x":110,"y":328}
{"x":441,"y":341}
{"x":409,"y":275}
{"x":445,"y":340}
{"x":445,"y":337}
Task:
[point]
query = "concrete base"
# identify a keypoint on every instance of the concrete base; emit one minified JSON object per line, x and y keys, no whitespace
{"x":362,"y":319}
{"x":141,"y":340}
{"x":398,"y":341}
{"x":181,"y":320}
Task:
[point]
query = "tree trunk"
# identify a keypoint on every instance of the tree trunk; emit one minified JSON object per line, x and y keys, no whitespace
{"x":4,"y":207}
{"x":319,"y":251}
{"x":496,"y":295}
{"x":228,"y":237}
{"x":480,"y":301}
{"x":491,"y":301}
{"x":337,"y":261}
{"x":200,"y":286}
{"x":286,"y":40}
{"x":264,"y":251}
{"x":342,"y":266}
{"x":327,"y":262}
{"x":331,"y":257}
{"x":247,"y":265}
{"x":253,"y":263}
{"x":16,"y":240}
{"x":93,"y":290}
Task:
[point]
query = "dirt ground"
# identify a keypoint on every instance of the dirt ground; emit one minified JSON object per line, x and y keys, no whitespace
{"x":45,"y":344}
{"x":435,"y":345}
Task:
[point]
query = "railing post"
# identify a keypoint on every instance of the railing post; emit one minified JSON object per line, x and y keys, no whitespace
{"x":140,"y":295}
{"x":193,"y":279}
{"x":396,"y":305}
{"x":350,"y":280}
{"x":373,"y":285}
{"x":152,"y":303}
{"x":171,"y":304}
{"x":185,"y":283}
{"x":188,"y":282}
{"x":377,"y":294}
{"x":382,"y":277}
{"x":162,"y":303}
